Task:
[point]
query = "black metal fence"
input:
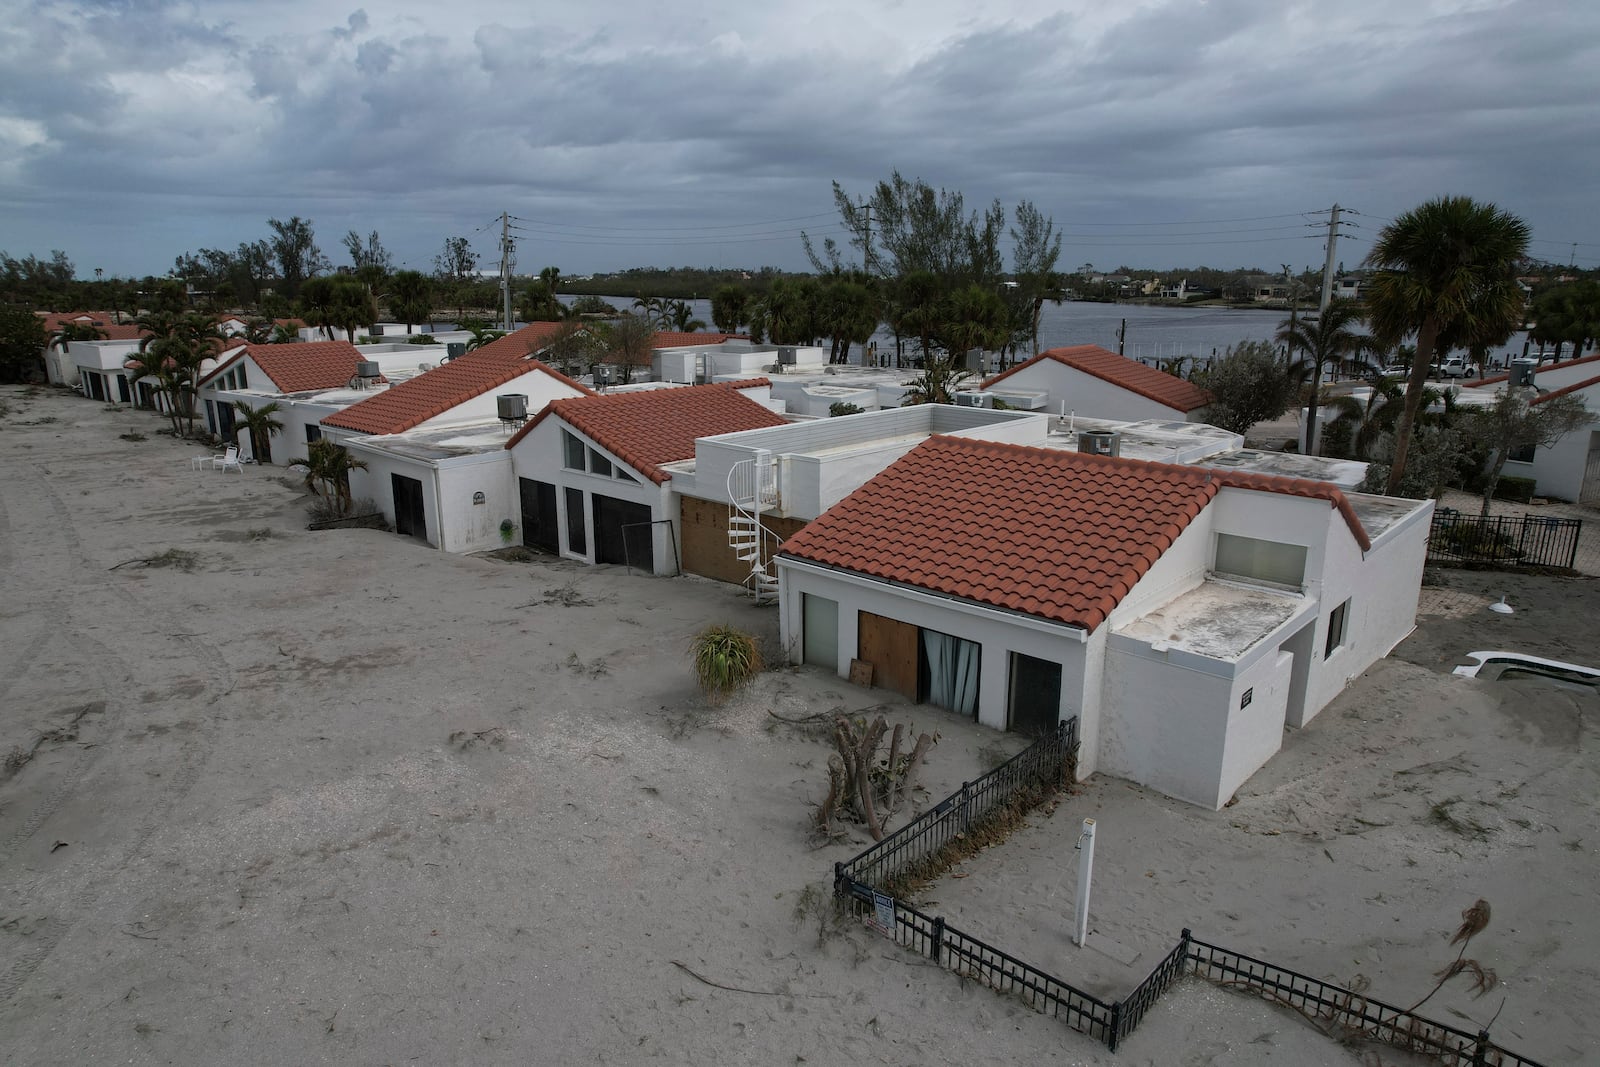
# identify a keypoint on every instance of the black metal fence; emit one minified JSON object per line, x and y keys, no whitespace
{"x":969,"y":957}
{"x":1503,"y":540}
{"x":1356,"y":1014}
{"x":918,"y":847}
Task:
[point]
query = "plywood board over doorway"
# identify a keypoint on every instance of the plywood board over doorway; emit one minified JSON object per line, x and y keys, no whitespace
{"x":891,"y":647}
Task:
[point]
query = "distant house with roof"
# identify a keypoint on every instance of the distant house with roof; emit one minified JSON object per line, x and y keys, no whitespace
{"x":308,"y":381}
{"x":1184,"y":614}
{"x":434,"y":444}
{"x":592,"y":477}
{"x":1094,"y":380}
{"x":1570,"y":468}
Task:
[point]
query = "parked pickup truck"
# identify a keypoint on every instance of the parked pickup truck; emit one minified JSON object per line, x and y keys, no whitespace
{"x":1454,"y":367}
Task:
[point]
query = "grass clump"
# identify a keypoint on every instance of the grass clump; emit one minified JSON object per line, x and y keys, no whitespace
{"x":725,"y":658}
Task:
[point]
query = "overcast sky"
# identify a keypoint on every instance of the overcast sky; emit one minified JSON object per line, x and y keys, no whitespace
{"x":1158,"y":133}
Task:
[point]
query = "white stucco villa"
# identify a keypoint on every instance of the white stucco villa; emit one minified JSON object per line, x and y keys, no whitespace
{"x":1092,"y":380}
{"x":1186,"y":614}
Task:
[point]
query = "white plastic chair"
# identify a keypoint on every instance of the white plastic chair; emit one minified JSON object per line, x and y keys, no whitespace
{"x":229,"y":460}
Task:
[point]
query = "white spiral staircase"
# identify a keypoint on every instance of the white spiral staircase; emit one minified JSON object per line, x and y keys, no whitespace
{"x":752,"y":490}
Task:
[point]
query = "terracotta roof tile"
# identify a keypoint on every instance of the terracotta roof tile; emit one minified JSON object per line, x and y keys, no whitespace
{"x":298,"y":368}
{"x":654,"y":426}
{"x":1060,"y":535}
{"x":1127,"y":373}
{"x":675,"y":339}
{"x":416,"y":400}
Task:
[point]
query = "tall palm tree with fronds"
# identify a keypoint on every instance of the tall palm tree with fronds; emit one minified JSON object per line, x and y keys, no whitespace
{"x":1446,"y":271}
{"x":1330,"y":340}
{"x":938,"y":383}
{"x":262,"y":427}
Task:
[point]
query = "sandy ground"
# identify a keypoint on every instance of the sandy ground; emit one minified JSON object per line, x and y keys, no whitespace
{"x":338,"y":798}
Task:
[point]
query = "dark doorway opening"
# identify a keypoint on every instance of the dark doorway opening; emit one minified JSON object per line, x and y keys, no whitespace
{"x":410,"y":520}
{"x":610,"y":544}
{"x":540,"y":525}
{"x":1035,"y":703}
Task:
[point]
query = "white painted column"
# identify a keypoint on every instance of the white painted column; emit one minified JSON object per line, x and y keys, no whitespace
{"x":1085,"y":872}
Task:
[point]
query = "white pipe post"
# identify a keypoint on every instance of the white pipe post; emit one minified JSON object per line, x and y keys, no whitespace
{"x":1085,"y":871}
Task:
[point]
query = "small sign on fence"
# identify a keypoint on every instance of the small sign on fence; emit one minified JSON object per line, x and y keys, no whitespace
{"x":883,"y":912}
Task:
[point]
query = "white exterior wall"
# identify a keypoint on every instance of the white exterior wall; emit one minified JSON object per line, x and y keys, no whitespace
{"x":374,"y":484}
{"x":1382,"y":586}
{"x":998,"y":633}
{"x":1559,"y":469}
{"x":540,"y":457}
{"x":469,"y":527}
{"x":1084,"y":393}
{"x":539,"y":387}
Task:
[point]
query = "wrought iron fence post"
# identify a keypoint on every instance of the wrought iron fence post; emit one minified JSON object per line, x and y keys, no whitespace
{"x":838,"y":879}
{"x":966,"y":807}
{"x":1480,"y":1051}
{"x":938,"y":938}
{"x":1115,"y":1029}
{"x":1187,"y":937}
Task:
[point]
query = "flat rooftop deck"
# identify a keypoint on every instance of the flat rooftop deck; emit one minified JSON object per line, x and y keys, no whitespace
{"x":1218,"y":620}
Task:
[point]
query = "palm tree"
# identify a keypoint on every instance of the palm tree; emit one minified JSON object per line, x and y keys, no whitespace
{"x":150,"y":361}
{"x":1330,"y":340}
{"x":1446,"y":272}
{"x":284,"y":334}
{"x":257,"y":331}
{"x":681,"y":316}
{"x":328,"y":466}
{"x":1371,"y":418}
{"x":482,"y":335}
{"x":651,"y":308}
{"x":937,"y":384}
{"x":262,"y":427}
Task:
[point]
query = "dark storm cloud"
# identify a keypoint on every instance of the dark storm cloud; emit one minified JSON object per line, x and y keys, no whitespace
{"x":190,"y":124}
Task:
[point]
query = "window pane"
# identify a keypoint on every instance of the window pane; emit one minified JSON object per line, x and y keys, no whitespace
{"x":1336,"y":626}
{"x":573,"y":451}
{"x":599,"y":464}
{"x":820,"y":640}
{"x":1266,"y":561}
{"x":577,"y":540}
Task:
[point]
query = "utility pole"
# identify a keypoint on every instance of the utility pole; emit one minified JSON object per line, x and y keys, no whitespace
{"x":1327,"y":267}
{"x":507,"y":261}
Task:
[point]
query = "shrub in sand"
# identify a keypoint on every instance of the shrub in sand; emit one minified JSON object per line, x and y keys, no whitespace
{"x":725,"y":658}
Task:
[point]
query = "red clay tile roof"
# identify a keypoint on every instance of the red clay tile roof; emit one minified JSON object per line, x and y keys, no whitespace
{"x":1056,"y":534}
{"x":1127,"y":373}
{"x":416,"y":400}
{"x":1498,"y":378}
{"x":655,"y":426}
{"x":674,"y":339}
{"x":748,"y":383}
{"x":298,"y":368}
{"x":105,"y":320}
{"x":1566,"y":390}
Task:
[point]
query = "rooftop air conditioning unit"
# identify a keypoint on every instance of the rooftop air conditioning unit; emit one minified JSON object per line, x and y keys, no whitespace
{"x":786,"y":357}
{"x":367,"y":368}
{"x":974,"y":398}
{"x":1522,"y":371}
{"x":512,"y":407}
{"x":454,"y":350}
{"x":1100,"y":442}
